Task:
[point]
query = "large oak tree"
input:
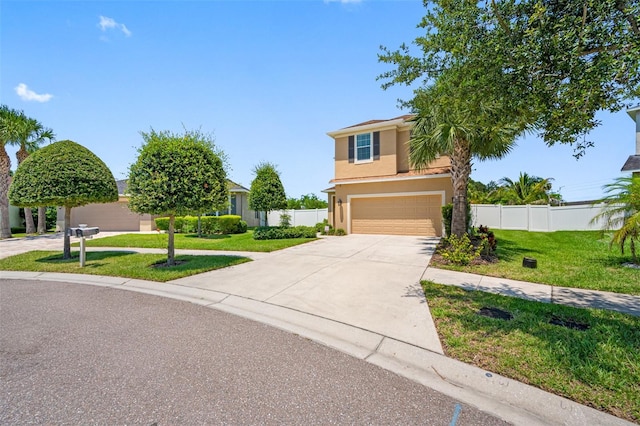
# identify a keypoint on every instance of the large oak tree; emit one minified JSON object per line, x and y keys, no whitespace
{"x":543,"y":64}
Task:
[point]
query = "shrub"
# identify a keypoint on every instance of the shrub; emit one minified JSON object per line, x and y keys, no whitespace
{"x":285,"y":220}
{"x":340,"y":232}
{"x":320,"y":225}
{"x":18,"y":230}
{"x":487,"y":240}
{"x":279,"y":233}
{"x":459,"y":251}
{"x":227,"y":224}
{"x":447,"y":215}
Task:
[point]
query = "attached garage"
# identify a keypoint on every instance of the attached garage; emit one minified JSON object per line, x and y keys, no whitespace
{"x":108,"y":216}
{"x":397,"y":215}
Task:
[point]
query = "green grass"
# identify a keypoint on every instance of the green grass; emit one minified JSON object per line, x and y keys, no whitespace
{"x":599,"y":367}
{"x":580,"y":259}
{"x":236,"y":242}
{"x":118,"y":264}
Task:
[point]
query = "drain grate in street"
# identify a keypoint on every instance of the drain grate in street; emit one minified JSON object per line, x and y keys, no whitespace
{"x":495,"y":313}
{"x":569,"y":323}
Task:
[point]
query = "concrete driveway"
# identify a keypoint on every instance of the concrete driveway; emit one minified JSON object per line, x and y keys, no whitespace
{"x":368,"y":281}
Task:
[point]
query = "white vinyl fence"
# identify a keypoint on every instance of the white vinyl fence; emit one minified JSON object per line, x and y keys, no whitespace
{"x":307,"y":217}
{"x":536,"y":218}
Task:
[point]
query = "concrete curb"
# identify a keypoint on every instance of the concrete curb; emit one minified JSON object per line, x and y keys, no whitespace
{"x":506,"y":398}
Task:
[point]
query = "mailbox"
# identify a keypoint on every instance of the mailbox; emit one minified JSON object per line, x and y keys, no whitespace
{"x":83,"y":232}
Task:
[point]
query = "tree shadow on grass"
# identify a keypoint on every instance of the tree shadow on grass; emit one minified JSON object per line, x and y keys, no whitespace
{"x":208,"y":236}
{"x":90,"y":256}
{"x":509,"y":250}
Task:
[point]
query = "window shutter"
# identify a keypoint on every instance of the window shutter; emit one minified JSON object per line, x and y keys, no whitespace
{"x":351,"y":148}
{"x":376,"y":145}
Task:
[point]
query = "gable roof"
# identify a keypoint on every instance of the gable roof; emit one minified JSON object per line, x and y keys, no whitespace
{"x":632,"y":164}
{"x":396,"y":122}
{"x":234,"y":187}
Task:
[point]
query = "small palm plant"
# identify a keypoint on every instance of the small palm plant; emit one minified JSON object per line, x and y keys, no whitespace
{"x":621,"y":212}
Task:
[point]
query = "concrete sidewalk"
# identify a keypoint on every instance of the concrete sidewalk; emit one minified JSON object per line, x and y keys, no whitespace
{"x":576,"y":297}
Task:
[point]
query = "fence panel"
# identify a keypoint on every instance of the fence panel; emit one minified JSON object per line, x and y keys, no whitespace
{"x":537,"y":218}
{"x":308,"y":217}
{"x":514,"y":217}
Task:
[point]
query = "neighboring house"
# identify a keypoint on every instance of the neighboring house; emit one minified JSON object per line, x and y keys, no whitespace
{"x":376,"y":191}
{"x":117,"y":216}
{"x":633,"y":162}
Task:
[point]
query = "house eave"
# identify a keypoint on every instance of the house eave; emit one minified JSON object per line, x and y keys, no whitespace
{"x":391,"y":179}
{"x":398,"y":123}
{"x":632,"y":164}
{"x":633,"y":112}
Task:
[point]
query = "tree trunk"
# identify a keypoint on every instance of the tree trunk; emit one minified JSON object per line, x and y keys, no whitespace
{"x":42,"y":220}
{"x":28,"y":221}
{"x":171,"y":261}
{"x":21,"y":155}
{"x":5,"y":168}
{"x":67,"y":239}
{"x":460,"y":172}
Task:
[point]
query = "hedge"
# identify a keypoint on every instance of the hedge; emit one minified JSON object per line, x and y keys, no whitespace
{"x":227,"y":224}
{"x":279,"y":233}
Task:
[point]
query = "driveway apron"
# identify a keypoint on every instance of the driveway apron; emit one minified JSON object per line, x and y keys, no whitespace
{"x":368,"y":281}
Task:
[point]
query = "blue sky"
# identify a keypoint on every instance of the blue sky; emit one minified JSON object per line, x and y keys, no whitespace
{"x":268,"y":79}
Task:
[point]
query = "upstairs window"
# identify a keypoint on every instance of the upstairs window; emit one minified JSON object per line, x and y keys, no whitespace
{"x":364,"y":148}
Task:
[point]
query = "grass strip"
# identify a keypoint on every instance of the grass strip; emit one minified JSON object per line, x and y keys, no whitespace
{"x":119,"y":264}
{"x":578,"y":259}
{"x":235,"y":242}
{"x":598,"y":367}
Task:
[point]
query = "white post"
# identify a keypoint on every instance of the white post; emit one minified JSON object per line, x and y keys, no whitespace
{"x":82,"y":252}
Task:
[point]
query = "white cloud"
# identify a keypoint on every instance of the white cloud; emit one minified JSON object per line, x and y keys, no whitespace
{"x":107,"y":23}
{"x":29,"y":95}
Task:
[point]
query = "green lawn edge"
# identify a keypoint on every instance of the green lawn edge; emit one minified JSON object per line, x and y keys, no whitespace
{"x":574,"y":259}
{"x":119,"y":264}
{"x":598,"y":367}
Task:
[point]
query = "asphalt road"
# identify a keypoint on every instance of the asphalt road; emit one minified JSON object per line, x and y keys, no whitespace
{"x":77,"y":354}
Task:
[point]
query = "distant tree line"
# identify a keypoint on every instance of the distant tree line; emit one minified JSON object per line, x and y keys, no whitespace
{"x":527,"y":189}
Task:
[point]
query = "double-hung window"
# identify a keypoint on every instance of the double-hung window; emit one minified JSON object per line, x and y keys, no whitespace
{"x":364,"y":148}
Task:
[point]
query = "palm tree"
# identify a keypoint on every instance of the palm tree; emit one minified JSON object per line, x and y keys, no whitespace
{"x":622,"y":212}
{"x":31,"y":134}
{"x":526,"y":189}
{"x":9,"y":127}
{"x":450,"y":122}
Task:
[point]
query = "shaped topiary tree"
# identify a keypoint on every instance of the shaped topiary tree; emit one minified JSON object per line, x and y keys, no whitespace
{"x":63,"y":174}
{"x":267,"y":192}
{"x":177,"y":174}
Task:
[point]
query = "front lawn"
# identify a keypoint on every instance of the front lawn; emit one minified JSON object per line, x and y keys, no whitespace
{"x":598,"y":366}
{"x":119,"y":264}
{"x":233,"y":242}
{"x":580,"y":259}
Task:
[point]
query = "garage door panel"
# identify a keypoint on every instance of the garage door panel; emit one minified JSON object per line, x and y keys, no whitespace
{"x":410,"y":215}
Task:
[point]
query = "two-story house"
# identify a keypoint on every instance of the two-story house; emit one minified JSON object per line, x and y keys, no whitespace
{"x":633,"y":162}
{"x":375,"y":189}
